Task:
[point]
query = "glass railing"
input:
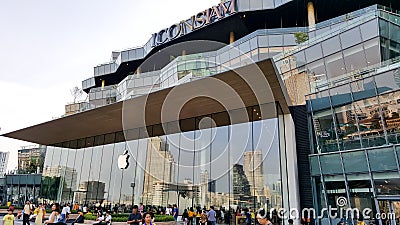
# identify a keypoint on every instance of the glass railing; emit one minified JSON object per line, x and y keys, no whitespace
{"x":356,"y":75}
{"x":331,"y":33}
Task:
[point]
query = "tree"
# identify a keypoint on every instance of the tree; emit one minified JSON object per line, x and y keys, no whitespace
{"x":76,"y":92}
{"x":301,"y":37}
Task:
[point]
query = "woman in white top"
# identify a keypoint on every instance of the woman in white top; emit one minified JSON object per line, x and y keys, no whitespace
{"x":55,"y":214}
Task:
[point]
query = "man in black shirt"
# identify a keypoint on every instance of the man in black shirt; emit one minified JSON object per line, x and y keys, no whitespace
{"x":135,"y":217}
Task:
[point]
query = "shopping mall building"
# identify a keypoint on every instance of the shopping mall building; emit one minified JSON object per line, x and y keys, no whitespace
{"x":250,"y":103}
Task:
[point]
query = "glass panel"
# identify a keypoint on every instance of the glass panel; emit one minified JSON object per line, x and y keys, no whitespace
{"x":173,"y":145}
{"x":46,"y":180}
{"x":361,"y":194}
{"x":354,"y":58}
{"x":267,"y":175}
{"x":114,"y":194}
{"x":219,"y":178}
{"x":390,"y":112}
{"x":244,"y":47}
{"x":268,"y":4}
{"x":377,"y":156}
{"x":319,"y":197}
{"x":317,"y":72}
{"x":275,"y":40}
{"x":289,"y":39}
{"x":313,"y":53}
{"x":331,"y":45}
{"x":106,"y":168}
{"x":140,"y":154}
{"x":202,"y":159}
{"x":240,"y":144}
{"x":78,"y":167}
{"x":370,"y":122}
{"x":372,"y":51}
{"x":387,"y":183}
{"x":335,"y":65}
{"x":347,"y":128}
{"x":355,"y":162}
{"x":351,"y":37}
{"x":325,"y":131}
{"x":70,"y":175}
{"x":331,"y":164}
{"x":188,"y":193}
{"x":363,"y":89}
{"x":63,"y":189}
{"x":388,"y":81}
{"x":314,"y":166}
{"x":335,"y":188}
{"x":369,"y":30}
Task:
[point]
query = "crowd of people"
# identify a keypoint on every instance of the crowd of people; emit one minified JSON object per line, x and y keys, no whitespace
{"x":144,"y":215}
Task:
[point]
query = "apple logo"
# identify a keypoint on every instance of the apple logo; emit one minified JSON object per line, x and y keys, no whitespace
{"x":123,"y":162}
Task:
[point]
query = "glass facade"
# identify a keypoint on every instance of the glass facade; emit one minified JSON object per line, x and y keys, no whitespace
{"x":353,"y":113}
{"x":208,"y":163}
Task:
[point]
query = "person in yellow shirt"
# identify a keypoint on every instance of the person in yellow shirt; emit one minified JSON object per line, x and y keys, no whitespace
{"x":8,"y":219}
{"x":191,"y":216}
{"x":39,"y":212}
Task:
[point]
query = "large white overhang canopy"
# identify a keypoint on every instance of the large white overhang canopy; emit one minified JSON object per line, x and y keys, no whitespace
{"x":230,"y":91}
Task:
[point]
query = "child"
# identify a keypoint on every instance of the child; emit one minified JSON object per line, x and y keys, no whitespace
{"x":9,"y":218}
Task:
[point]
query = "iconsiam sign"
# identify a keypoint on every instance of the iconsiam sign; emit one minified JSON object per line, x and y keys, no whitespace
{"x":201,"y":19}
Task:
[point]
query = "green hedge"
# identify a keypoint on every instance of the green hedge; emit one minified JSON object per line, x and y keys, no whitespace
{"x":123,"y":217}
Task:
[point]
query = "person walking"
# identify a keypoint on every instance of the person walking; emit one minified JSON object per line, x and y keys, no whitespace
{"x":212,"y":216}
{"x":135,"y":217}
{"x":27,"y":213}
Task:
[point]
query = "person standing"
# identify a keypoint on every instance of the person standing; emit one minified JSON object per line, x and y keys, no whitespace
{"x":76,"y":206}
{"x":135,"y":217}
{"x":9,"y":218}
{"x":175,"y":212}
{"x":141,"y":208}
{"x":248,"y":216}
{"x":168,"y":210}
{"x":39,"y":215}
{"x":198,"y":216}
{"x":191,"y":216}
{"x":212,"y":216}
{"x":203,"y":218}
{"x":27,"y":213}
{"x":185,"y":217}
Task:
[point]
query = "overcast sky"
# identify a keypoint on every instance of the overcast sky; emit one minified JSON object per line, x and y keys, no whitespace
{"x":49,"y":46}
